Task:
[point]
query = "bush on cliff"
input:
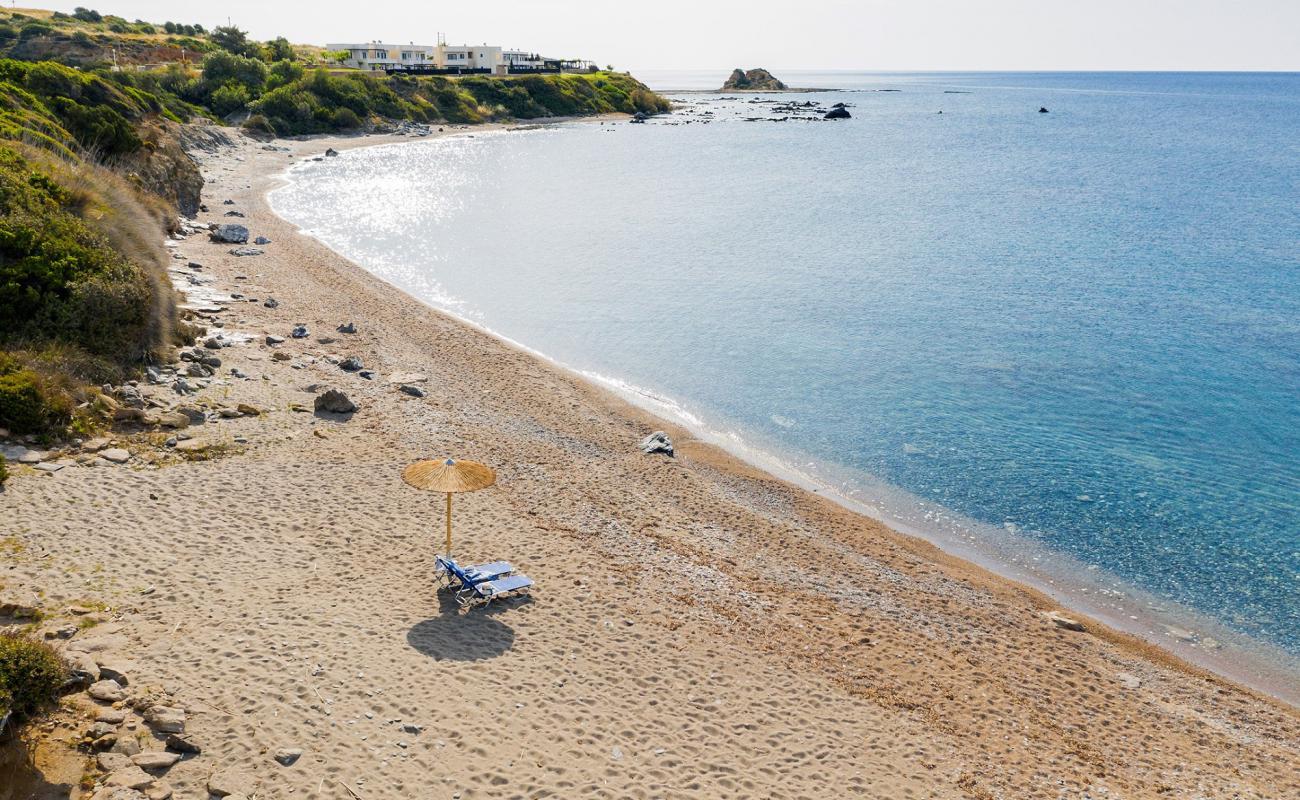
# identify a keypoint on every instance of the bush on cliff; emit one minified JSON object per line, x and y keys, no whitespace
{"x":63,"y":280}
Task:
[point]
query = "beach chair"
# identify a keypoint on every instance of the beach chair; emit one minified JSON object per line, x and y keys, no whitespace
{"x":453,"y":575}
{"x":486,"y":591}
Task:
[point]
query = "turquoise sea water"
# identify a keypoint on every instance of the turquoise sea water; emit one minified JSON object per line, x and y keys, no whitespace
{"x":1070,"y":336}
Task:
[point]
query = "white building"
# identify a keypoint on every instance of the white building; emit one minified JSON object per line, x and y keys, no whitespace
{"x":470,"y":56}
{"x":482,"y":58}
{"x":381,"y":56}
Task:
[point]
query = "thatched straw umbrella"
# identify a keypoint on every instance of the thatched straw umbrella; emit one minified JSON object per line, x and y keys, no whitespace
{"x":449,"y":476}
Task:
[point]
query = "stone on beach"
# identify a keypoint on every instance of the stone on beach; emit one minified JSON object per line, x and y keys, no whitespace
{"x":1065,"y":623}
{"x":657,"y":442}
{"x":155,"y":759}
{"x":229,"y":234}
{"x":247,"y":251}
{"x":108,"y":691}
{"x":333,"y":401}
{"x":351,"y":364}
{"x":131,"y":777}
{"x":166,"y":719}
{"x":287,"y":755}
{"x":182,"y":744}
{"x":230,"y":782}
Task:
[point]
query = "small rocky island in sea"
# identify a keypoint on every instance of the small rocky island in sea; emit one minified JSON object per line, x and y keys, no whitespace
{"x":754,"y":80}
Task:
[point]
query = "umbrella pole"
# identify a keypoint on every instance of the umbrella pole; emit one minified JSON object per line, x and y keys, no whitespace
{"x":448,"y":524}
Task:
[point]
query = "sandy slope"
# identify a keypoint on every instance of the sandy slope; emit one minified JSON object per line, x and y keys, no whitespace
{"x":699,"y":629}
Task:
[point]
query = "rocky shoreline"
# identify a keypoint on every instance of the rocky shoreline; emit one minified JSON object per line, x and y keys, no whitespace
{"x":245,"y":586}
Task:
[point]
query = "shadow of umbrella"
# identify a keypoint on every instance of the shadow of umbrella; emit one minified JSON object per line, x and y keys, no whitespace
{"x":453,"y":636}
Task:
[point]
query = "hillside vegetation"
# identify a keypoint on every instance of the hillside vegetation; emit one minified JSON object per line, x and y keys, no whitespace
{"x":92,"y":174}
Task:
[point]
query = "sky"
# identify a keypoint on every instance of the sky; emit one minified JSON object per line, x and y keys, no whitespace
{"x":805,"y":34}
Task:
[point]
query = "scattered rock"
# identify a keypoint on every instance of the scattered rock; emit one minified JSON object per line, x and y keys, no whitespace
{"x":413,"y":391}
{"x":160,"y":790}
{"x":113,"y":671}
{"x":247,"y":251}
{"x":1129,"y":681}
{"x":117,"y":793}
{"x":287,"y":755}
{"x":347,"y":327}
{"x":273,"y":340}
{"x":17,"y":602}
{"x":657,"y":442}
{"x":229,"y":782}
{"x":173,"y":419}
{"x":112,"y":762}
{"x":280,"y":355}
{"x":247,"y":410}
{"x":155,"y":759}
{"x":111,"y":716}
{"x":1042,"y":109}
{"x":166,"y":719}
{"x":331,"y":152}
{"x":351,"y":364}
{"x":106,"y":691}
{"x":838,"y":113}
{"x":333,"y":401}
{"x":229,"y":234}
{"x":131,"y":777}
{"x":182,"y":744}
{"x":299,"y":332}
{"x":234,"y":214}
{"x":1066,"y":623}
{"x":126,"y":745}
{"x":261,"y":240}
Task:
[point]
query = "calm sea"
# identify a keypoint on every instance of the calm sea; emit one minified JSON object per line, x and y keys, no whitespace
{"x":1066,"y":343}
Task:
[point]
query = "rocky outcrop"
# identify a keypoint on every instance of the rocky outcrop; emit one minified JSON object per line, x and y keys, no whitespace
{"x":838,"y":112}
{"x":163,"y":167}
{"x":754,"y":80}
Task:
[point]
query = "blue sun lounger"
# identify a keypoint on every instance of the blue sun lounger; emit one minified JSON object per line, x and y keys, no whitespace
{"x":454,"y":575}
{"x":486,"y":591}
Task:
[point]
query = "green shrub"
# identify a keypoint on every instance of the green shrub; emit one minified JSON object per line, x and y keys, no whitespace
{"x":60,"y":280}
{"x":33,"y":29}
{"x":31,"y":674}
{"x":229,"y":98}
{"x":259,"y":125}
{"x":345,"y":118}
{"x":29,"y":403}
{"x":4,"y":471}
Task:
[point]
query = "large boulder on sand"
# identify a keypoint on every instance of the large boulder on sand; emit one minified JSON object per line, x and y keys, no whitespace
{"x":657,"y":442}
{"x":333,"y":401}
{"x":229,"y":234}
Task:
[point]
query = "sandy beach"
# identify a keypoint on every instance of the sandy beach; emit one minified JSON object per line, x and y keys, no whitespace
{"x":698,"y":628}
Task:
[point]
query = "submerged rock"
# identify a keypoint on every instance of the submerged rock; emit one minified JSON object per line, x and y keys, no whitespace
{"x":838,"y":113}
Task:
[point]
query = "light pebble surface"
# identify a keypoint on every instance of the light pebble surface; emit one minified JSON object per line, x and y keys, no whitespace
{"x":698,"y":628}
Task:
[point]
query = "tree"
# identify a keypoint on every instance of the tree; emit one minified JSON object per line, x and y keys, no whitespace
{"x":279,"y":49}
{"x":221,"y":68}
{"x":170,"y":27}
{"x":232,"y":39}
{"x":87,"y":14}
